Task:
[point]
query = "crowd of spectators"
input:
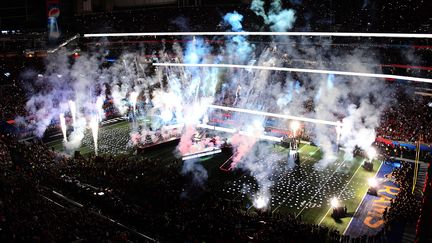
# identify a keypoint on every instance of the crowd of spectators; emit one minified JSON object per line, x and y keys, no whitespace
{"x":407,"y":120}
{"x":30,"y":213}
{"x":147,"y":20}
{"x":13,"y":93}
{"x":406,"y":206}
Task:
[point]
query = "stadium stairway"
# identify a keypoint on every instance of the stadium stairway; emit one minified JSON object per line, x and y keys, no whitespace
{"x":421,"y":179}
{"x":409,"y":234}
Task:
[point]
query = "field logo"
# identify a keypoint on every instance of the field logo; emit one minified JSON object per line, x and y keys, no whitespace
{"x":374,"y":218}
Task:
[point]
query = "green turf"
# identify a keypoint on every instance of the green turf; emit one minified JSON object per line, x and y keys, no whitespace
{"x":359,"y":180}
{"x":87,"y":150}
{"x":301,"y":193}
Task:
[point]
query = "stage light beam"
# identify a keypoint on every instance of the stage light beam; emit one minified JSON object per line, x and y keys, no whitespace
{"x":299,"y":70}
{"x":262,"y":113}
{"x":255,"y":33}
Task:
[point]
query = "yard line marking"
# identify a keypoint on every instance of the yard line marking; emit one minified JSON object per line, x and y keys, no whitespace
{"x":325,"y":216}
{"x":360,"y":203}
{"x":346,"y":185}
{"x":312,"y":153}
{"x":301,"y":148}
{"x":320,"y":188}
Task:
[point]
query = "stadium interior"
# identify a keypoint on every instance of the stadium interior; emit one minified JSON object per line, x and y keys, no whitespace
{"x":215,"y":121}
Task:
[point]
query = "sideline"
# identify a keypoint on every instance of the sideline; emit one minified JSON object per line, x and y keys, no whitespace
{"x":360,"y":203}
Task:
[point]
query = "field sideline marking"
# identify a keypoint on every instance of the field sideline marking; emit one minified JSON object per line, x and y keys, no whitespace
{"x":320,"y":188}
{"x":360,"y":203}
{"x":346,"y":185}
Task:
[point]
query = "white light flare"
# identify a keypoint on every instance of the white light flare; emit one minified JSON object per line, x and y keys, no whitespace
{"x":334,"y":202}
{"x":63,"y":126}
{"x":133,"y":96}
{"x":372,"y":182}
{"x":299,"y":70}
{"x":94,"y":126}
{"x":295,"y":126}
{"x":99,"y":108}
{"x":371,"y":153}
{"x":261,"y":202}
{"x":72,"y":107}
{"x":166,"y":115}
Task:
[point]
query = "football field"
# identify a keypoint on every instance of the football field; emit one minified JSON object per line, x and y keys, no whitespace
{"x":304,"y":190}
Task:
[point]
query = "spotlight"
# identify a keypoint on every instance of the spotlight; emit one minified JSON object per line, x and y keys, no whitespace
{"x":334,"y":202}
{"x":371,"y":153}
{"x":295,"y":125}
{"x":260,"y":202}
{"x":373,"y":184}
{"x":339,"y":211}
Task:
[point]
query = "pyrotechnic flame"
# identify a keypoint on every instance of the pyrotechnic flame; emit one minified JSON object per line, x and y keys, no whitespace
{"x":372,"y":182}
{"x":99,"y":104}
{"x":371,"y":153}
{"x":133,"y":96}
{"x":72,"y":107}
{"x":94,"y":126}
{"x":63,"y":126}
{"x":261,"y":202}
{"x":295,"y":125}
{"x":334,"y":202}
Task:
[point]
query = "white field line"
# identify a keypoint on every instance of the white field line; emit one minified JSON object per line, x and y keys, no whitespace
{"x":289,"y":194}
{"x":320,"y":188}
{"x":316,"y":150}
{"x":360,"y":203}
{"x":346,"y":185}
{"x":301,"y":148}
